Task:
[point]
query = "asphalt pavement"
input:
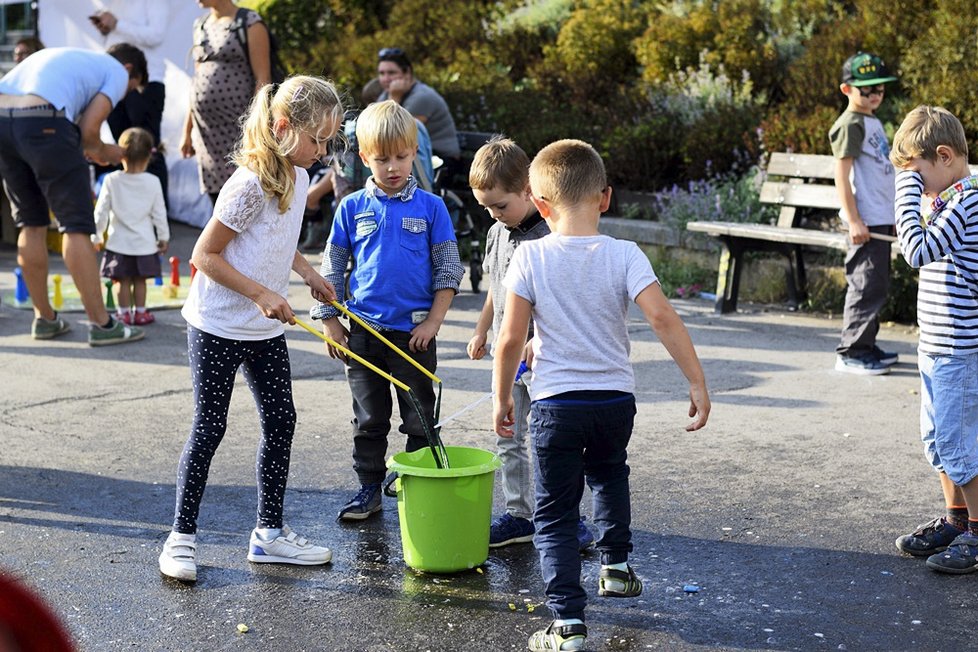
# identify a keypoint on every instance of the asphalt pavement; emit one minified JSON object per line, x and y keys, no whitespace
{"x":781,"y":513}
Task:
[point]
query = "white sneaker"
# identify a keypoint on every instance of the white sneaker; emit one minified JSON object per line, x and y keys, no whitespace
{"x":179,"y":557}
{"x":287,"y":548}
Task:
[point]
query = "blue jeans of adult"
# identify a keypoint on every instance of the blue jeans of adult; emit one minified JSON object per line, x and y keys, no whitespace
{"x":578,"y":437}
{"x":372,"y":402}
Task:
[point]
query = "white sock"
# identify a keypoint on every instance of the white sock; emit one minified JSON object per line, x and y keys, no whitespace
{"x":569,"y":621}
{"x":268,"y":534}
{"x":623,"y":567}
{"x":140,"y":309}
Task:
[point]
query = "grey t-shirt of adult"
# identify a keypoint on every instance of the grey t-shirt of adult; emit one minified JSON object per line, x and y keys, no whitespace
{"x":580,"y":289}
{"x":424,"y":100}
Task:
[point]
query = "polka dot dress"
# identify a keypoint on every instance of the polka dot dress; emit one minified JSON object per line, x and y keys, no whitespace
{"x":214,"y":361}
{"x":223,"y":86}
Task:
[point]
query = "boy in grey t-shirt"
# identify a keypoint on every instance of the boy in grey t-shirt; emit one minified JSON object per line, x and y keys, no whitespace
{"x":865,"y":181}
{"x":577,"y":285}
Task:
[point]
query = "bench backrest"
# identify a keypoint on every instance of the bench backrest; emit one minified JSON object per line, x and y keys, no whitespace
{"x":801,"y":181}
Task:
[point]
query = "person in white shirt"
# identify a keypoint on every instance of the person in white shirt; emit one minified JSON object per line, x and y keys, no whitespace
{"x":130,"y":204}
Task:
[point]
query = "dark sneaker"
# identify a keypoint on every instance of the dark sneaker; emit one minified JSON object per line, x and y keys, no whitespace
{"x":928,"y":538}
{"x":863,"y":366}
{"x":885,"y":357}
{"x":117,"y":333}
{"x":509,"y":529}
{"x":361,"y":506}
{"x":584,"y":537}
{"x":563,"y":637}
{"x":45,"y":329}
{"x":960,"y":557}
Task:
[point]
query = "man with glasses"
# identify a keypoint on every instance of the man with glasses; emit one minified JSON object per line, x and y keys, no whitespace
{"x":865,"y":181}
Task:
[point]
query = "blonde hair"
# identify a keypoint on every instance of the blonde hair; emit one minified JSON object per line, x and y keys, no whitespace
{"x":502,"y":164}
{"x":386,"y":128}
{"x":923,"y":130}
{"x":308,"y":104}
{"x":567,"y":172}
{"x":137,"y":145}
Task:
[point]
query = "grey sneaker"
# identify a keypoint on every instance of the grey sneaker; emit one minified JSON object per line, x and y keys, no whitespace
{"x":862,"y":366}
{"x":117,"y":333}
{"x":45,"y":329}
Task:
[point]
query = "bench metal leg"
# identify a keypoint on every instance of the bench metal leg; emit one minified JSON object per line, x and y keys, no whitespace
{"x":728,"y":278}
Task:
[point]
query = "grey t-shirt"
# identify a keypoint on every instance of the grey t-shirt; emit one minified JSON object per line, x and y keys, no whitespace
{"x":424,"y":100}
{"x":501,"y":243}
{"x":873,"y":181}
{"x":580,"y":288}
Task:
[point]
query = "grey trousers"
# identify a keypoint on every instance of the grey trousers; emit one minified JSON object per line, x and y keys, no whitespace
{"x":867,"y":281}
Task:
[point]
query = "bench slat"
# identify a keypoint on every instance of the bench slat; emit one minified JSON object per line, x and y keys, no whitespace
{"x":814,"y":166}
{"x":812,"y":237}
{"x":800,"y":194}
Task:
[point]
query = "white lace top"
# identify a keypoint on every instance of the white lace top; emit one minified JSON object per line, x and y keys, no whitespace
{"x":262,"y":250}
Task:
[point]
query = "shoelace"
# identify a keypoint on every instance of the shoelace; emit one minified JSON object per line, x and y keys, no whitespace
{"x":365,"y":494}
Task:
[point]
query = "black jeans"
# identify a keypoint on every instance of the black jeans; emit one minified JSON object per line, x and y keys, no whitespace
{"x":372,"y":402}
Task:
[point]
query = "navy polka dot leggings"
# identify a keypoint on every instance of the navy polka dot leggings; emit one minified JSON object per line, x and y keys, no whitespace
{"x":214,"y":361}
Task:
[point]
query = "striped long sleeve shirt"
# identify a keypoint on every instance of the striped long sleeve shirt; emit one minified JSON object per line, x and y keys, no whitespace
{"x":945,"y":250}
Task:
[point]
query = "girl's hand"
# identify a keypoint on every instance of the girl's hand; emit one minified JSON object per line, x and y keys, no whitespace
{"x":274,"y":306}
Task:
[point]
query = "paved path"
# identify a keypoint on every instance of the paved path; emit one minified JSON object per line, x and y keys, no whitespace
{"x":784,"y":510}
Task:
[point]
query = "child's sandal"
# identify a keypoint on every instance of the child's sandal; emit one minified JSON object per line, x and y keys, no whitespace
{"x":613,"y":583}
{"x":563,"y":637}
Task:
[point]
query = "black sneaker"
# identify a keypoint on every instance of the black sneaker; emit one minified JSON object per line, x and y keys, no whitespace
{"x":509,"y":529}
{"x":885,"y":357}
{"x":365,"y":503}
{"x":928,"y":538}
{"x":866,"y":365}
{"x":960,"y":557}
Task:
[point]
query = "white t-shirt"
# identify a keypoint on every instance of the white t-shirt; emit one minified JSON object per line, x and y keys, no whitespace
{"x":131,"y":206}
{"x":580,"y":288}
{"x":262,"y":250}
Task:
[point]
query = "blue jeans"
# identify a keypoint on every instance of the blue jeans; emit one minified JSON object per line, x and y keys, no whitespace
{"x":949,"y":414}
{"x":577,"y":440}
{"x":372,"y":403}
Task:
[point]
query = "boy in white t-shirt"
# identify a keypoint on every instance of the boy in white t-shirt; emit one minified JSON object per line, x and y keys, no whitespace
{"x":583,"y":403}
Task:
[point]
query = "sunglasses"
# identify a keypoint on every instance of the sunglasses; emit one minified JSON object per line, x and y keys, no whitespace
{"x":390,"y":52}
{"x":867,"y":91}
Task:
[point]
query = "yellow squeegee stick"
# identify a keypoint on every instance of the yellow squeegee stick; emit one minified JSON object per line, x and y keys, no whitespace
{"x":368,"y":365}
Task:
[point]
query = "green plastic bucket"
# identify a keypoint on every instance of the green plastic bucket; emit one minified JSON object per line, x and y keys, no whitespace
{"x":445,"y":513}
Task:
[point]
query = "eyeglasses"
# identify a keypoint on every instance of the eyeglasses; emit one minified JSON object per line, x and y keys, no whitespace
{"x":867,"y":91}
{"x":390,"y":52}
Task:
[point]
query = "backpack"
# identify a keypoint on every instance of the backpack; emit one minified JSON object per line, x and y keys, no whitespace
{"x":240,"y":29}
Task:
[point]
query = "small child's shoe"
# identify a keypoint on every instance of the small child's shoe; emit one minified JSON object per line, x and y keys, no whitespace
{"x":614,"y":583}
{"x":509,"y":529}
{"x":143,"y":318}
{"x":363,"y":505}
{"x":124,"y":317}
{"x":286,"y":548}
{"x":929,"y":538}
{"x":960,"y":557}
{"x":179,"y":557}
{"x":558,"y":637}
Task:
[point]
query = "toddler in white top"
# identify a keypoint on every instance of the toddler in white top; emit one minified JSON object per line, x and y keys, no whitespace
{"x":131,"y":205}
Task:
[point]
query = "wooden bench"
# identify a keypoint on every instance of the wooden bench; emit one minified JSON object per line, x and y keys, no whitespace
{"x":799,"y":184}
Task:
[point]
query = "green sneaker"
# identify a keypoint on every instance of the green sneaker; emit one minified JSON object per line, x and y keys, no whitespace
{"x":45,"y":329}
{"x":554,"y":637}
{"x":117,"y":333}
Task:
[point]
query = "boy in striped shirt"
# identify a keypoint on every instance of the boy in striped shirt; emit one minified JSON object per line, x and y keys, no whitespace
{"x":931,"y":150}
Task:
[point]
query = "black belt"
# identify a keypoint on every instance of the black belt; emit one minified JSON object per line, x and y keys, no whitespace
{"x":39,"y":111}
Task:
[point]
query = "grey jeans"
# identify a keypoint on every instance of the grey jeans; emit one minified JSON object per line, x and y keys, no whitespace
{"x":515,"y":455}
{"x":867,"y":280}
